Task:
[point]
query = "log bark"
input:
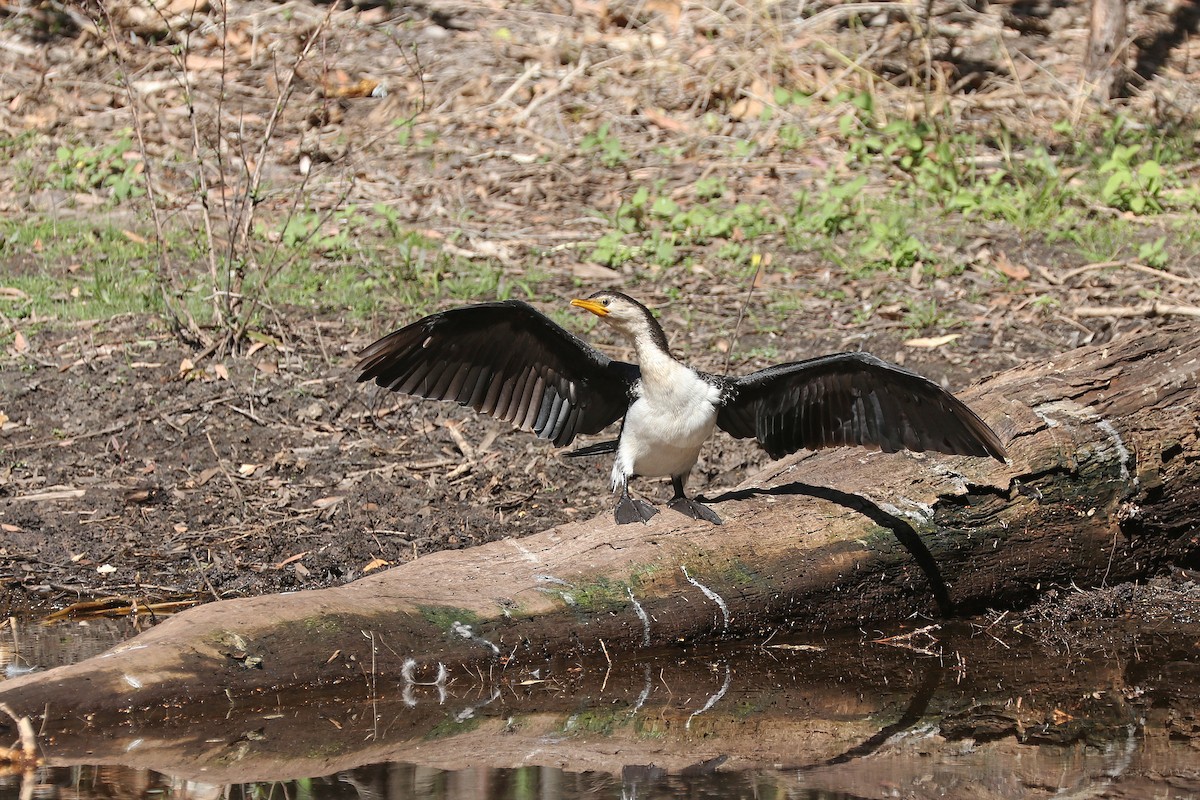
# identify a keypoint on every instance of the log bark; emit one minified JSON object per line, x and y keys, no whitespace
{"x":1100,"y":488}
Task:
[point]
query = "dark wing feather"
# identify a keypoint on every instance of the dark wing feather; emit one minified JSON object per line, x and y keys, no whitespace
{"x":506,"y":360}
{"x":851,"y":399}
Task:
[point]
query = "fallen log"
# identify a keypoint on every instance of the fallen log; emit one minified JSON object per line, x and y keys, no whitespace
{"x":1101,"y":487}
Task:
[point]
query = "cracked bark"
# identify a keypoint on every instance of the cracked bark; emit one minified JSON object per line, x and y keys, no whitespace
{"x":1101,"y":487}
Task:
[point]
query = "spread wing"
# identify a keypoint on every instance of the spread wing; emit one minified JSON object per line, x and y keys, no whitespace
{"x":851,"y":399}
{"x":506,"y":360}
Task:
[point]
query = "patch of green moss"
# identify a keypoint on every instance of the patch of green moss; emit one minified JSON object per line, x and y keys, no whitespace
{"x":601,"y":722}
{"x":452,"y":727}
{"x":605,"y":594}
{"x":738,"y":573}
{"x":444,"y":617}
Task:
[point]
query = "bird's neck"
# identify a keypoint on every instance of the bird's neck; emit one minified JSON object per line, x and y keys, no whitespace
{"x":658,"y":366}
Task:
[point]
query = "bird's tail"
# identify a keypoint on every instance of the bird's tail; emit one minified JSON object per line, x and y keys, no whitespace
{"x":597,"y":449}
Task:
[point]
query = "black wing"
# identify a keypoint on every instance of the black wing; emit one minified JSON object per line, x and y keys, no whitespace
{"x":506,"y":360}
{"x":851,"y":399}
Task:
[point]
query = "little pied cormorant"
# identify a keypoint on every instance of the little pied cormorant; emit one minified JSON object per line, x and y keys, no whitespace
{"x":511,"y":362}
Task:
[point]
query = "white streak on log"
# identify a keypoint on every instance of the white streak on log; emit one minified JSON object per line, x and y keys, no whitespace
{"x":569,"y":599}
{"x":643,"y":616}
{"x":1118,"y":444}
{"x":525,"y":552}
{"x":957,"y":480}
{"x":132,"y":681}
{"x":1087,"y":415}
{"x":123,"y":649}
{"x":710,"y":594}
{"x":1044,"y":417}
{"x":712,"y":701}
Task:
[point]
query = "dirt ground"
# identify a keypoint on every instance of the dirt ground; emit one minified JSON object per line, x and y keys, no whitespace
{"x":127,"y":469}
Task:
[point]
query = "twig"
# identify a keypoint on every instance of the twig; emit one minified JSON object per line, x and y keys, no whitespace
{"x":530,"y":72}
{"x":905,"y":640}
{"x":179,"y":317}
{"x":203,"y":574}
{"x":1152,"y":309}
{"x":844,"y":10}
{"x":221,"y":466}
{"x":1158,"y":273}
{"x":756,"y":260}
{"x":564,"y":84}
{"x":59,"y":494}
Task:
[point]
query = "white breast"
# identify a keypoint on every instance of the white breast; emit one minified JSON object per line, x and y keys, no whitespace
{"x":667,"y":424}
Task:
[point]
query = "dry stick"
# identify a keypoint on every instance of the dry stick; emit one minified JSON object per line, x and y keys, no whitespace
{"x":275,"y":267}
{"x":203,"y":574}
{"x":221,"y":465}
{"x":151,"y":194}
{"x":564,"y":84}
{"x":1158,"y":273}
{"x":285,"y":93}
{"x":741,"y":315}
{"x":530,"y":72}
{"x":246,"y":212}
{"x":210,"y":244}
{"x":838,"y":12}
{"x":1154,"y":309}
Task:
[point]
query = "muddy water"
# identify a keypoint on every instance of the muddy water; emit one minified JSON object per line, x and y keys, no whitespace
{"x":960,"y":712}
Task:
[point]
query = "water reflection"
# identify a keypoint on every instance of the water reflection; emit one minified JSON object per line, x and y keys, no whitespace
{"x":27,"y":646}
{"x":964,"y":715}
{"x":398,"y":781}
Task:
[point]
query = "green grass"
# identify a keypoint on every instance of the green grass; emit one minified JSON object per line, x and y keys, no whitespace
{"x":78,"y":269}
{"x":904,"y":195}
{"x":359,"y":265}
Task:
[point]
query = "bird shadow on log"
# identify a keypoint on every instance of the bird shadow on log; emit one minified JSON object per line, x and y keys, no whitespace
{"x":905,"y":533}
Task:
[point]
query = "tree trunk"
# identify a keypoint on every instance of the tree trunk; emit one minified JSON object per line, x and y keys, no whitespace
{"x":1101,"y":487}
{"x":1104,"y":64}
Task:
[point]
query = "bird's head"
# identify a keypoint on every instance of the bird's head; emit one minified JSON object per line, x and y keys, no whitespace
{"x":632,"y":319}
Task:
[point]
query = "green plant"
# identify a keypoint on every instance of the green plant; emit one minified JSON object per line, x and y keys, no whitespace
{"x":832,"y":211}
{"x":1154,"y":254}
{"x":791,"y":137}
{"x":78,"y":269}
{"x":114,"y":166}
{"x":923,"y":315}
{"x":889,"y":243}
{"x":1132,"y":185}
{"x":656,"y":227}
{"x":606,"y":144}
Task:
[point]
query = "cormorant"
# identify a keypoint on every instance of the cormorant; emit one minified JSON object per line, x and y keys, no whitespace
{"x":510,"y":361}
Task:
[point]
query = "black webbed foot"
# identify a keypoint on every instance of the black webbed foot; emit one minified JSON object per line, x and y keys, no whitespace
{"x":632,"y":510}
{"x":694,"y":509}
